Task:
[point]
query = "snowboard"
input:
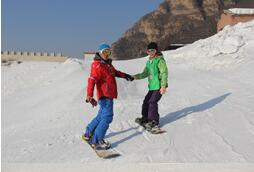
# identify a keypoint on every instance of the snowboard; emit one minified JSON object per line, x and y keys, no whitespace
{"x":153,"y":131}
{"x":105,"y":154}
{"x":157,"y":131}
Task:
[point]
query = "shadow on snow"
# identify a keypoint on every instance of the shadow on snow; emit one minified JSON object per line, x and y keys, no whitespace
{"x":171,"y":117}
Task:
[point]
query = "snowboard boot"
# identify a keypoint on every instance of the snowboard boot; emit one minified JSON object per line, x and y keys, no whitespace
{"x":102,"y":145}
{"x":86,"y":136}
{"x":141,"y":121}
{"x":152,"y":126}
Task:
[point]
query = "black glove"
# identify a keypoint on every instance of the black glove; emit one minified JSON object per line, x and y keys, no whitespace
{"x":129,"y":77}
{"x":91,"y":100}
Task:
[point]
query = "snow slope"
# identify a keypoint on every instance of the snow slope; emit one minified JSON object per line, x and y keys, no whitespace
{"x":207,"y":111}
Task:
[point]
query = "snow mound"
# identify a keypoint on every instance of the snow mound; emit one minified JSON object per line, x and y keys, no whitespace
{"x":73,"y":61}
{"x":225,"y":49}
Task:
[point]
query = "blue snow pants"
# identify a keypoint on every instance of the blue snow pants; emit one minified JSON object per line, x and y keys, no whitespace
{"x":100,"y":124}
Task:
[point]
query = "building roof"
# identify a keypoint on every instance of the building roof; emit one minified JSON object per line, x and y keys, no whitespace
{"x":242,"y":11}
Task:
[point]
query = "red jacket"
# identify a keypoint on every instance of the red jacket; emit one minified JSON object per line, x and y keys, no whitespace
{"x":103,"y":76}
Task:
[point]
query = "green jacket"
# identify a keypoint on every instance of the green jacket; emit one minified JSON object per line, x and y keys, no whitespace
{"x":157,"y":72}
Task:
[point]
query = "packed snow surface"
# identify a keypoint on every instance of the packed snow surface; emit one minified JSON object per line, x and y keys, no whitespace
{"x":207,"y":110}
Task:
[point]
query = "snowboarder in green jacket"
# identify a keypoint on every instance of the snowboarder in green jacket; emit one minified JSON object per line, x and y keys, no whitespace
{"x":157,"y":73}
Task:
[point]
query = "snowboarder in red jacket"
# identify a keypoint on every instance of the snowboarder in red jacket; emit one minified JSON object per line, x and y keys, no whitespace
{"x":102,"y":76}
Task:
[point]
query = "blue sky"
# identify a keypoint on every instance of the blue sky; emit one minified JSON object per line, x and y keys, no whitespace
{"x":68,"y":26}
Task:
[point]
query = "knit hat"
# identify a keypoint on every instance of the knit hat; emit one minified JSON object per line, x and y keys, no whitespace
{"x":103,"y":46}
{"x":152,"y":45}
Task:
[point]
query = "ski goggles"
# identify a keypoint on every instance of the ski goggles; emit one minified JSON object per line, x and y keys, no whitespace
{"x":106,"y":52}
{"x":151,"y":51}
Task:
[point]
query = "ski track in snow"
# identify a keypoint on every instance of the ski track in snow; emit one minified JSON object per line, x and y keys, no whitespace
{"x":242,"y":157}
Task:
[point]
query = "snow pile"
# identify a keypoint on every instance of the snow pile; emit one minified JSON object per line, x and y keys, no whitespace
{"x":225,"y":49}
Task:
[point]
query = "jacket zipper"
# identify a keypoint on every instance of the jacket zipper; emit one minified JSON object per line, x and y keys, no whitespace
{"x":107,"y":87}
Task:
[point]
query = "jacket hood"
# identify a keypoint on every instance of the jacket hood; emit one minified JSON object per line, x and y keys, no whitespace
{"x":158,"y":53}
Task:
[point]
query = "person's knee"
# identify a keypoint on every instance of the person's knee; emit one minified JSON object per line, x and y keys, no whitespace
{"x":108,"y":120}
{"x":153,"y":102}
{"x":145,"y":103}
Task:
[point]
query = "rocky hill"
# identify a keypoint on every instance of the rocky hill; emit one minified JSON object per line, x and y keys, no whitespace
{"x":173,"y":22}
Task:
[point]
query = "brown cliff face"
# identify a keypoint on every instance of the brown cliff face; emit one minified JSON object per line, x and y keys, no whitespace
{"x":173,"y":22}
